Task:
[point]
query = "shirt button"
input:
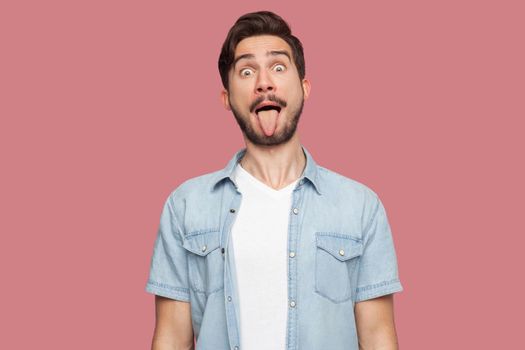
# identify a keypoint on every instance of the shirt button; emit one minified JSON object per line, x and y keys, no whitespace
{"x":236,"y":348}
{"x":229,"y":298}
{"x":342,"y":252}
{"x":295,"y":211}
{"x":232,"y":210}
{"x":204,"y":248}
{"x":301,"y":182}
{"x":292,"y":303}
{"x":292,"y":254}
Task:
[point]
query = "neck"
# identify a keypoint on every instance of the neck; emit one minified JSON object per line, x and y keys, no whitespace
{"x":276,"y":166}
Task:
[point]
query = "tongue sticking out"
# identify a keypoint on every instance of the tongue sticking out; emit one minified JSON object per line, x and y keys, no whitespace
{"x":268,"y":121}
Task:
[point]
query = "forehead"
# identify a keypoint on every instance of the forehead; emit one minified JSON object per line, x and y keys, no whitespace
{"x":261,"y":44}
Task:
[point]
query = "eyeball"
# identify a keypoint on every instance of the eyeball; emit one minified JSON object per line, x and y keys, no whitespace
{"x":280,"y":67}
{"x":246,"y":72}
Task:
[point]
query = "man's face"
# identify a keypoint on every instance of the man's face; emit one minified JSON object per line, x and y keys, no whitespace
{"x":265,"y":93}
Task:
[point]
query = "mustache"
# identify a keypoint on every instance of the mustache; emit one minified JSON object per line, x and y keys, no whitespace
{"x":273,"y":98}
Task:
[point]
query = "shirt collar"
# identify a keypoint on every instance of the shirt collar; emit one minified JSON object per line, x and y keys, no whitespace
{"x":310,"y":172}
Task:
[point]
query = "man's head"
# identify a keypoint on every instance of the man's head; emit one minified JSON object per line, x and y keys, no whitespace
{"x":262,"y":69}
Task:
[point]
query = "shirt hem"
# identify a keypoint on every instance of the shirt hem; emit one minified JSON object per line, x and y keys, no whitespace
{"x":180,"y":294}
{"x":378,"y":289}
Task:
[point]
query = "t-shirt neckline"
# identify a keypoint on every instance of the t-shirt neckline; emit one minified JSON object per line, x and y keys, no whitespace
{"x":255,"y":181}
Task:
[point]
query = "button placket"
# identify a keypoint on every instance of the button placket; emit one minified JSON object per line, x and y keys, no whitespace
{"x":293,"y":237}
{"x":231,"y":308}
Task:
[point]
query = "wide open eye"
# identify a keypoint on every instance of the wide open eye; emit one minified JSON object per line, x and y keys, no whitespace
{"x":279,"y":67}
{"x":246,"y":72}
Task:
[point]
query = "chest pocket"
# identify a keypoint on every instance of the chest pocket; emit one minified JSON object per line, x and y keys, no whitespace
{"x":205,"y":262}
{"x":335,"y":265}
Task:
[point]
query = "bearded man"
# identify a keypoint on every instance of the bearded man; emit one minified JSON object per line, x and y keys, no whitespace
{"x":273,"y":251}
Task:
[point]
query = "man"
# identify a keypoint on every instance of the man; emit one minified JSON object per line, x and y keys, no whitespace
{"x":273,"y":251}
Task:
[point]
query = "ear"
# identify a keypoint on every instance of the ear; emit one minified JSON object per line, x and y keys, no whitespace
{"x":306,"y":88}
{"x":225,"y":100}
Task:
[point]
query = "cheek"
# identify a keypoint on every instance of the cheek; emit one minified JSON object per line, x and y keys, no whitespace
{"x":240,"y":102}
{"x":290,"y":87}
{"x":241,"y":99}
{"x":295,"y":94}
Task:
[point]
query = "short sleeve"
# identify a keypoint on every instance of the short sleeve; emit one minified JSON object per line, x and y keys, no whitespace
{"x":168,"y":275}
{"x":378,"y":273}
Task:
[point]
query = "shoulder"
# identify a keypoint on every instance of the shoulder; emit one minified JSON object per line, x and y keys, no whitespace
{"x":357,"y":200}
{"x":198,"y":188}
{"x":336,"y":184}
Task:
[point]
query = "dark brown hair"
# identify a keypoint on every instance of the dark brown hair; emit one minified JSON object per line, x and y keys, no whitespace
{"x":253,"y":24}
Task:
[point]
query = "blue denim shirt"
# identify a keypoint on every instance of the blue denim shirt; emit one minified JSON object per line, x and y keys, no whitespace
{"x":342,"y":246}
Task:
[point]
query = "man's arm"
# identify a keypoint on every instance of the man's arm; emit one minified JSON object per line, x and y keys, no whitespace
{"x":173,"y":328}
{"x":375,"y":324}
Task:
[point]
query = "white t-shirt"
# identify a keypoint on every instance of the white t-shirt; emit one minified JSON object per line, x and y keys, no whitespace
{"x":260,"y":243}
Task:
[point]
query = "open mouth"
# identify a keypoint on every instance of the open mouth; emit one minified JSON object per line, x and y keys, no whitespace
{"x":267,"y":108}
{"x":267,"y":115}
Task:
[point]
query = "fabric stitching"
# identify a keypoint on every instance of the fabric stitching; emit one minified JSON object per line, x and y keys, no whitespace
{"x":377,"y":285}
{"x":201,"y":232}
{"x":338,"y":235}
{"x":168,"y":287}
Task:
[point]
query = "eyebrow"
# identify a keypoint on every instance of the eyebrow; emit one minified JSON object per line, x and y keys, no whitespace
{"x":269,"y":53}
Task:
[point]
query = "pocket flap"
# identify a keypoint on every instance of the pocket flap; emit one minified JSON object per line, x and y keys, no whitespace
{"x":202,"y":242}
{"x":341,"y":247}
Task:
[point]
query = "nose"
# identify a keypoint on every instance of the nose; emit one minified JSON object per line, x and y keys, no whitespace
{"x":264,"y":83}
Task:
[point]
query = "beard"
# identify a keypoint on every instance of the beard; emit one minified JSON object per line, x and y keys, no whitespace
{"x":277,"y":138}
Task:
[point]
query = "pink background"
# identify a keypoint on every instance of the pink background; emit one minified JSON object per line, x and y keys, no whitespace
{"x":106,"y":106}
